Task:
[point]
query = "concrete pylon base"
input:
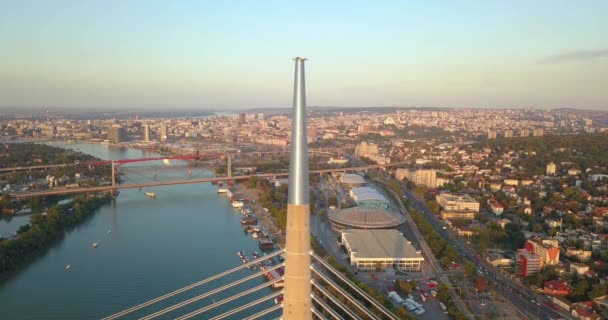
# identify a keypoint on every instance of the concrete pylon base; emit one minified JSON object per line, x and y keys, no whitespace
{"x":297,"y":302}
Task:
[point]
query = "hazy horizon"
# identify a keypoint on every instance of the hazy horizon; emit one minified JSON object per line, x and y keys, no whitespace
{"x":153,"y":56}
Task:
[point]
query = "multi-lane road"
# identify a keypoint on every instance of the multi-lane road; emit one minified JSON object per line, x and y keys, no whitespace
{"x":528,"y":303}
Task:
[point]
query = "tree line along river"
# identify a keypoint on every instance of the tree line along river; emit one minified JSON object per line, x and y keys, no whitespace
{"x":146,"y":247}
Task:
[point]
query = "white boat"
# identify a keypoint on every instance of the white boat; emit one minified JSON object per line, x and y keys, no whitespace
{"x":222,"y":190}
{"x":67,"y":267}
{"x":254,"y":235}
{"x":237,"y":204}
{"x":94,"y":244}
{"x":150,"y":194}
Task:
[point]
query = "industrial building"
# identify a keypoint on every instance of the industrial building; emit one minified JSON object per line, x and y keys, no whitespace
{"x":368,"y":197}
{"x":381,"y":249}
{"x":365,"y":218}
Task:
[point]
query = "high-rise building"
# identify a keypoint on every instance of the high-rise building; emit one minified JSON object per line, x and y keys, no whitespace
{"x":509,"y":134}
{"x":491,"y":134}
{"x":312,"y":135}
{"x":551,"y":168}
{"x":525,"y":133}
{"x":427,"y":178}
{"x":539,"y":132}
{"x":146,"y":132}
{"x":242,"y":118}
{"x":116,"y":134}
{"x":163,"y":133}
{"x":260,"y":116}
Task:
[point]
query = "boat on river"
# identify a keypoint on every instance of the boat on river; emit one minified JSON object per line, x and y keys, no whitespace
{"x":150,"y":194}
{"x":249,"y":221}
{"x":94,"y":245}
{"x":222,"y":190}
{"x":266,"y":244}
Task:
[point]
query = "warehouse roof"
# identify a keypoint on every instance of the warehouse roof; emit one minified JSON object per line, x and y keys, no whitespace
{"x":377,"y":244}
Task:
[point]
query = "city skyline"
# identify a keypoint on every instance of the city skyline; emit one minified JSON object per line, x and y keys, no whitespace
{"x":152,"y":56}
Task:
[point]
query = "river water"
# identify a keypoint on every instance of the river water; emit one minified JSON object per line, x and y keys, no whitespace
{"x":147,"y":247}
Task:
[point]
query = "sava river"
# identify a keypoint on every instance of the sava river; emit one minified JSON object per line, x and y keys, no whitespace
{"x":147,"y":247}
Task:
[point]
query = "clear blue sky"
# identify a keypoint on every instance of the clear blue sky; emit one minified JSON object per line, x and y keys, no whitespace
{"x":237,"y":54}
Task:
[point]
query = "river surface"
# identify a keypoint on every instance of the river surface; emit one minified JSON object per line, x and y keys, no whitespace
{"x":147,"y":247}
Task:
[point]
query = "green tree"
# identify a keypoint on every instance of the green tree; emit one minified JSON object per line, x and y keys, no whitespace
{"x":469,"y":269}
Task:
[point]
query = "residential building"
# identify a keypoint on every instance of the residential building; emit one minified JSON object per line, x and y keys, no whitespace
{"x":547,"y":249}
{"x":538,"y":132}
{"x":556,"y":288}
{"x":365,"y":149}
{"x":491,"y":134}
{"x":551,"y":168}
{"x":455,"y":215}
{"x":457,"y":202}
{"x":579,"y":268}
{"x":527,"y":263}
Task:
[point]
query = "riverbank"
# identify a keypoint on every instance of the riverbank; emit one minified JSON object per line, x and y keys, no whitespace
{"x":267,"y":221}
{"x":44,"y":230}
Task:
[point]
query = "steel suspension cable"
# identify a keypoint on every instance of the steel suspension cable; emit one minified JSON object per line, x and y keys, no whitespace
{"x":335,"y":300}
{"x":345,"y":294}
{"x":327,"y":308}
{"x":264,"y":312}
{"x":189,"y":287}
{"x":246,"y":306}
{"x":364,"y":294}
{"x":319,"y":315}
{"x":209,"y":293}
{"x":224,"y":301}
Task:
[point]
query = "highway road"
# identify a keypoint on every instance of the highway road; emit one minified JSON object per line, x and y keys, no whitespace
{"x":528,"y":303}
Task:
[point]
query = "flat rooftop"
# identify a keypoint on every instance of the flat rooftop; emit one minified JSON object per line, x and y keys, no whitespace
{"x":379,"y":244}
{"x":460,"y":197}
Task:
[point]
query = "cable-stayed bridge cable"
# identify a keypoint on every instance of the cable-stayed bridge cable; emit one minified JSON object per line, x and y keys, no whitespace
{"x":246,"y":306}
{"x":212,"y":292}
{"x":326,"y":307}
{"x":189,"y":287}
{"x":345,"y":294}
{"x":264,"y":312}
{"x":364,"y":294}
{"x":224,"y":301}
{"x":335,"y":301}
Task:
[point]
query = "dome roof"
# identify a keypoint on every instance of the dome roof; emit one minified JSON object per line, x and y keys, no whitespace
{"x":366,"y":218}
{"x":351,"y":178}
